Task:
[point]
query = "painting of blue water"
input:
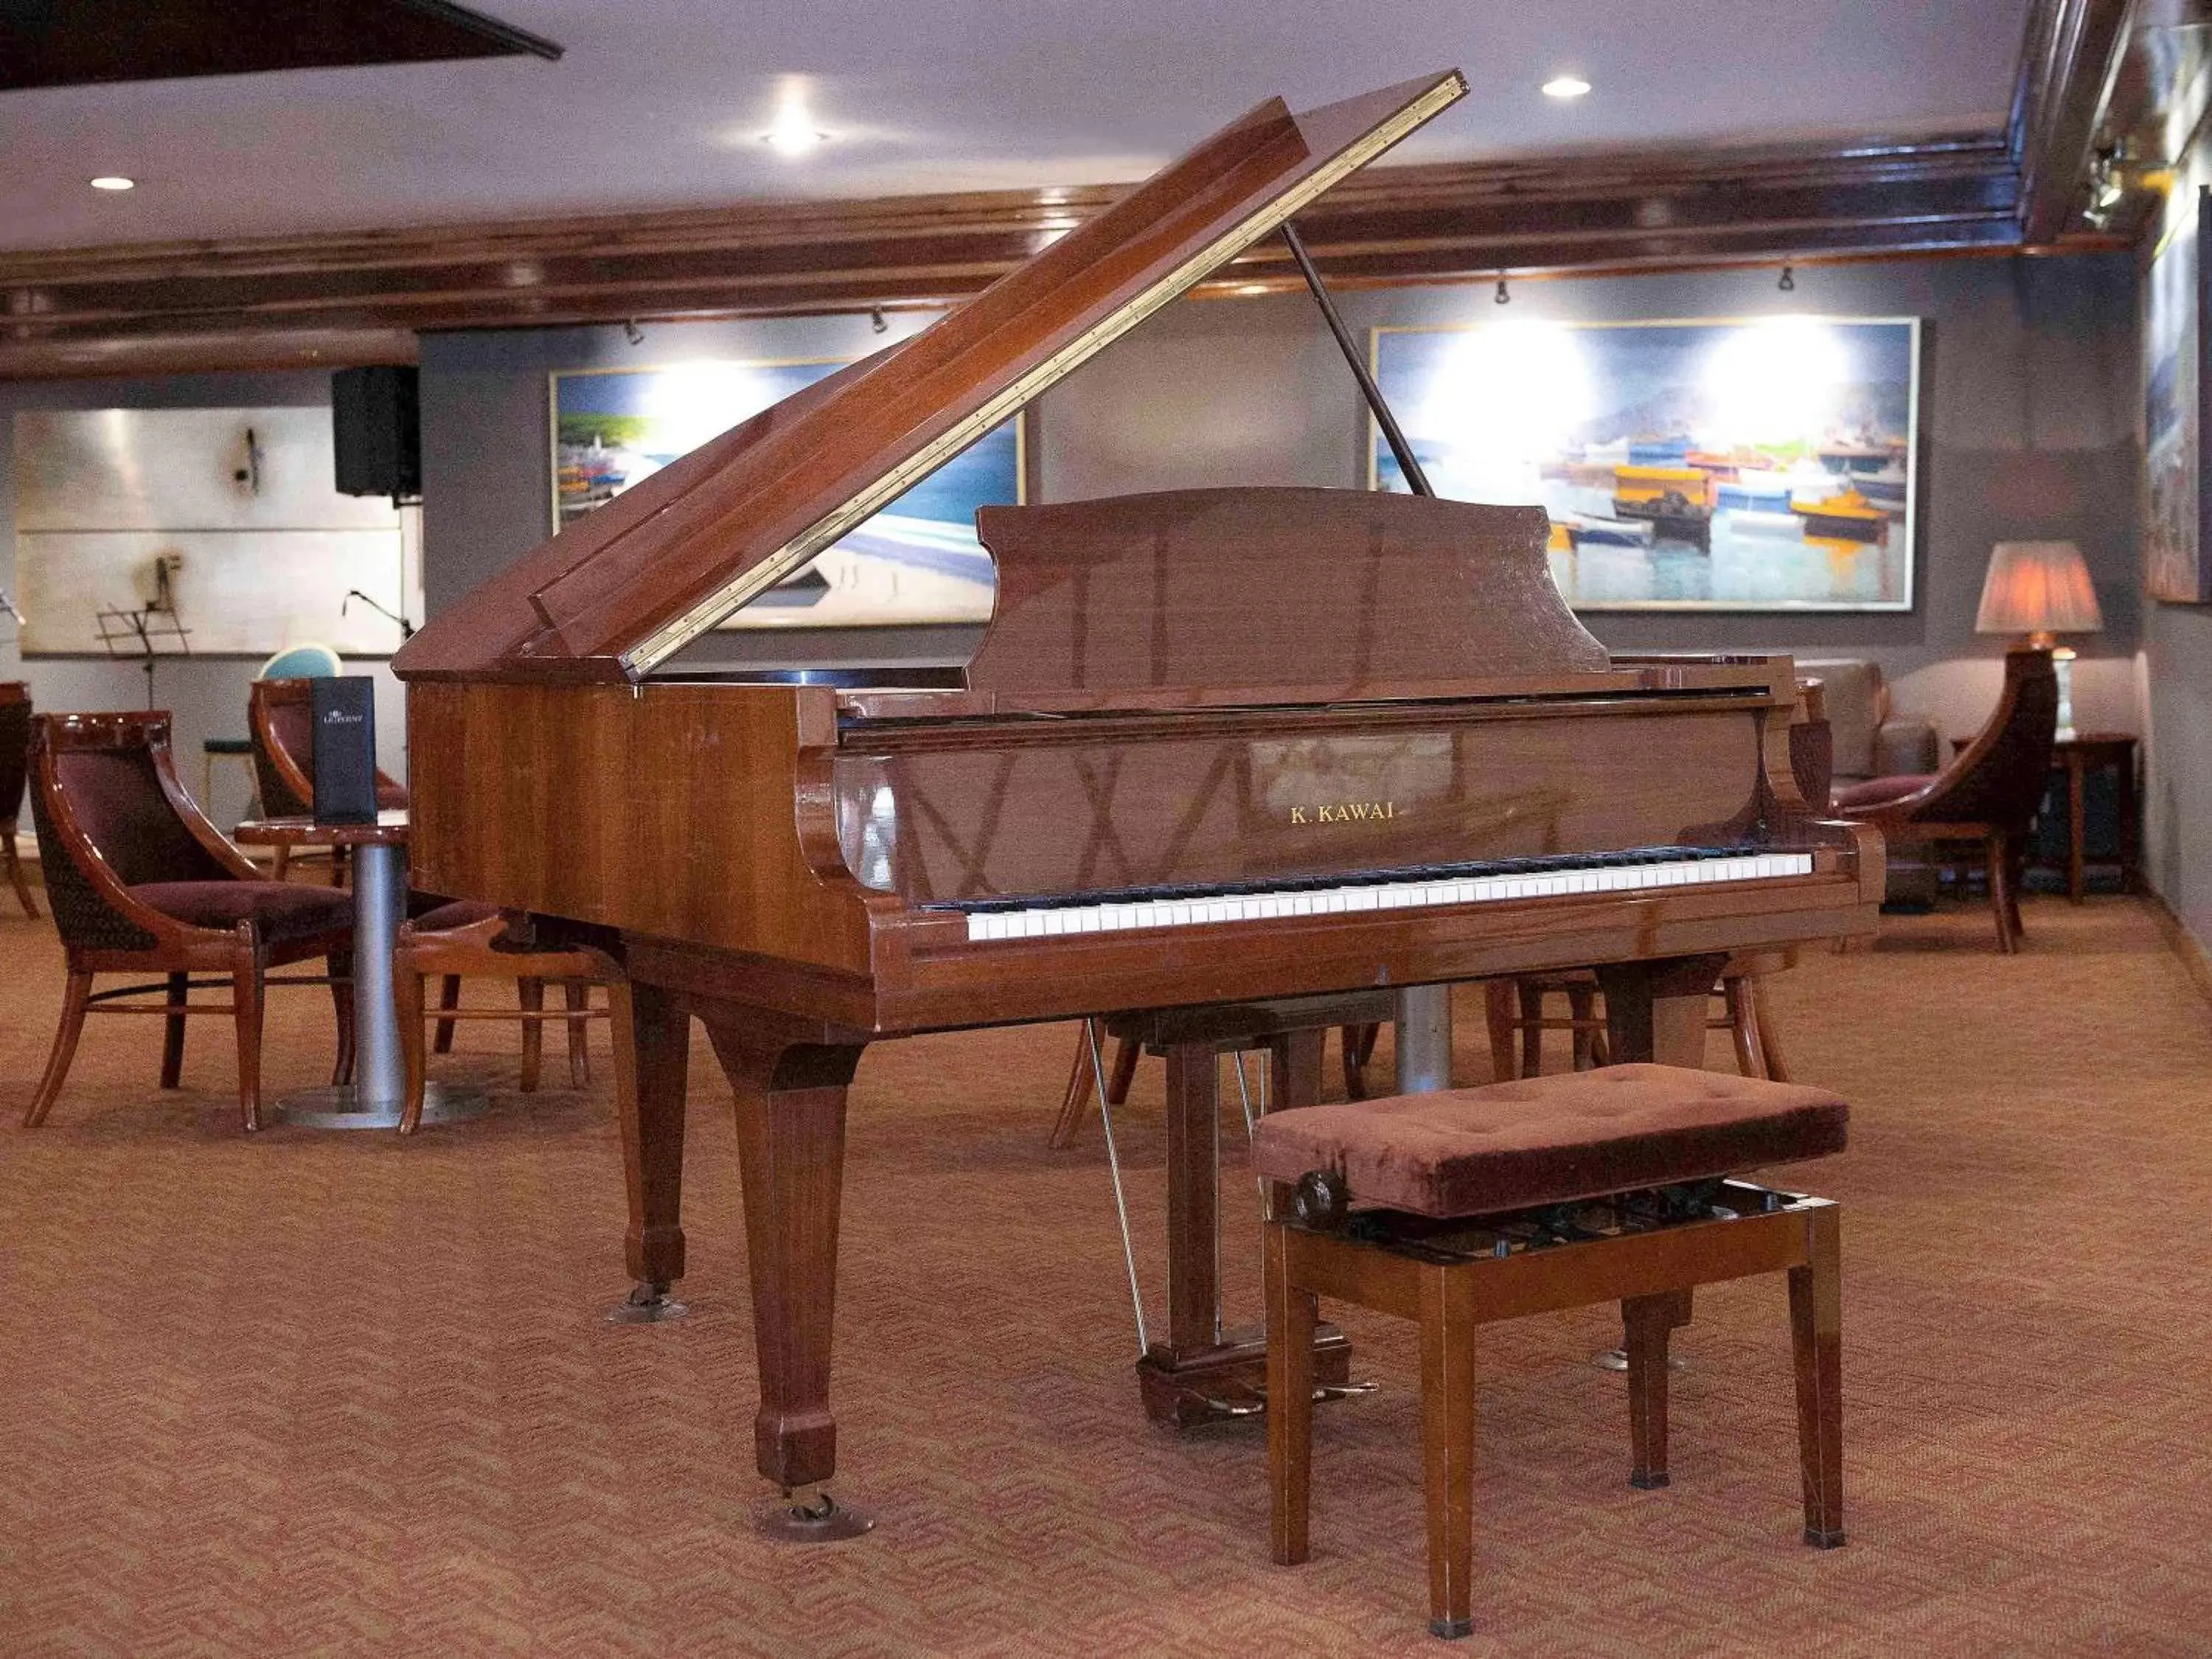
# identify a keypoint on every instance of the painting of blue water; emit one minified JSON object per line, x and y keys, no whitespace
{"x":1763,"y":463}
{"x":917,"y":562}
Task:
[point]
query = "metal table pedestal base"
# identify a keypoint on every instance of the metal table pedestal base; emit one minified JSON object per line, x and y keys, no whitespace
{"x":340,"y":1108}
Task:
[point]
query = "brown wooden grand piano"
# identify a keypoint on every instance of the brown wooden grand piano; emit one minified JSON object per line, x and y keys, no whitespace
{"x":1217,"y":745}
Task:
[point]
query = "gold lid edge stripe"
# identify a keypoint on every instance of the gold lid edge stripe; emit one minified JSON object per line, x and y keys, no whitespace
{"x":795,"y":554}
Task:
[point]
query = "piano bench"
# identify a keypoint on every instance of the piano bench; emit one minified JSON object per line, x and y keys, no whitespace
{"x":1466,"y":1206}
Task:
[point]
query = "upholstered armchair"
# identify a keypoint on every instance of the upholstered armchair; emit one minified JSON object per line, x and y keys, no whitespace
{"x":1987,"y":794}
{"x":281,"y":721}
{"x":14,"y":754}
{"x":141,"y":882}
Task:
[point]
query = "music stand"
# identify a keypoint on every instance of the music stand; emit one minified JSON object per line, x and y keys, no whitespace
{"x":147,"y":629}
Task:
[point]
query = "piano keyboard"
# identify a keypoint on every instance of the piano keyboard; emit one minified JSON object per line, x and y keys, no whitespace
{"x":1639,"y":870}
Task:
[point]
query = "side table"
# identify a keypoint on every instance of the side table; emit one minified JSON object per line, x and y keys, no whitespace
{"x":2076,"y":757}
{"x":374,"y":1099}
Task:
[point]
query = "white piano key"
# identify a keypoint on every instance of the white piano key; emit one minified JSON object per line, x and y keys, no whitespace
{"x":1056,"y":921}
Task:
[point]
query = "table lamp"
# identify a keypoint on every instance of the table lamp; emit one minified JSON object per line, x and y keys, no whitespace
{"x":2041,"y":589}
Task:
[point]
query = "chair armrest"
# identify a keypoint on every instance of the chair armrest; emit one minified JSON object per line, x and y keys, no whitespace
{"x":1906,"y":746}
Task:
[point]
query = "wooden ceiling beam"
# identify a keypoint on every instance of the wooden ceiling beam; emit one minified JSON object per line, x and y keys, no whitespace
{"x":2068,"y":63}
{"x":343,"y":298}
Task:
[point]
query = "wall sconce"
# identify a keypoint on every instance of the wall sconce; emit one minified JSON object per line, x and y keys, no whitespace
{"x":2108,"y":184}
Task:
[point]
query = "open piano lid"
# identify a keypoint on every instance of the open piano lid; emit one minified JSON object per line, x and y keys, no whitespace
{"x":617,"y":593}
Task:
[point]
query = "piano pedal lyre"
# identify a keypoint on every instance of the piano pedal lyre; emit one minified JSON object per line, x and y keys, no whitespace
{"x":647,"y":1304}
{"x":1253,"y":1402}
{"x":808,"y":1515}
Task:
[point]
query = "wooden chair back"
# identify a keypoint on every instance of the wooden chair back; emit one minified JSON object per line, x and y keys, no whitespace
{"x":280,"y":720}
{"x":2000,"y":777}
{"x":110,"y":815}
{"x":14,"y":749}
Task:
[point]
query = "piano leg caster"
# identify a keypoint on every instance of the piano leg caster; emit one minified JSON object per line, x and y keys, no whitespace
{"x":647,"y":1304}
{"x":808,"y":1515}
{"x":1616,"y":1359}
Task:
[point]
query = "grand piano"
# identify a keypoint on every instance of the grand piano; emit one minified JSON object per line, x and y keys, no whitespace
{"x":1218,"y":746}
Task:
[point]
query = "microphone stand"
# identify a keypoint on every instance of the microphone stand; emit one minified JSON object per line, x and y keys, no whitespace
{"x":406,"y":627}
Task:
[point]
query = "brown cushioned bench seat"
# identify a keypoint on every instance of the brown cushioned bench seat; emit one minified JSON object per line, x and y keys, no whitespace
{"x":1549,"y":1139}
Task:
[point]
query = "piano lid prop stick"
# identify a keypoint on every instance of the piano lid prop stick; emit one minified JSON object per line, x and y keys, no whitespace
{"x":1392,"y":433}
{"x":1423,"y":1045}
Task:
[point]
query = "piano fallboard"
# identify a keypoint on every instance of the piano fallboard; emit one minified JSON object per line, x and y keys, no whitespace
{"x":803,"y":848}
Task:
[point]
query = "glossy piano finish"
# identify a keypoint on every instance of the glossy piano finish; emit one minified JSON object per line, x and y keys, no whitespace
{"x":621,"y":590}
{"x":1191,"y":688}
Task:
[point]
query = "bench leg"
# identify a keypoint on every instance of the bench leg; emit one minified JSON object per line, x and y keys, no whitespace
{"x":1644,"y":1323}
{"x":1291,"y":1319}
{"x":1816,"y":1324}
{"x":1447,"y":1445}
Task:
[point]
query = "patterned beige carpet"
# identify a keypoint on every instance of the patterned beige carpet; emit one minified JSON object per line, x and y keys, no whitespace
{"x":332,"y":1393}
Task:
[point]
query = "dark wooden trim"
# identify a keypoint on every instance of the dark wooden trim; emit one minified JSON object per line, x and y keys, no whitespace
{"x":2069,"y":61}
{"x":331,"y":300}
{"x":2196,"y":962}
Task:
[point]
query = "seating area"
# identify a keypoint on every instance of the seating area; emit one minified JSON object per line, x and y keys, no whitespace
{"x":1192,"y":831}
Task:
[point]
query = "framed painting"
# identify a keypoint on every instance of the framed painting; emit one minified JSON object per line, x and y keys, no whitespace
{"x":2176,"y":298}
{"x":915,"y":563}
{"x":1754,"y":464}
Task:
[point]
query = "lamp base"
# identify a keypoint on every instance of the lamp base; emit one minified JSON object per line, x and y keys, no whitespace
{"x":2062,"y":664}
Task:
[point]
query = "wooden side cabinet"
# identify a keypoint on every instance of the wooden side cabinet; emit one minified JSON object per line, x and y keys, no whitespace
{"x":2077,"y":756}
{"x":2073,"y":759}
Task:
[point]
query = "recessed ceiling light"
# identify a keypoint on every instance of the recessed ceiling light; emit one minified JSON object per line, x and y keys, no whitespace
{"x":114,"y":181}
{"x":1566,"y":86}
{"x":794,"y":132}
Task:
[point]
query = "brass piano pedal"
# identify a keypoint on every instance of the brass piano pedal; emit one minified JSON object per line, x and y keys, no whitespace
{"x":647,"y":1304}
{"x":1253,"y":1403}
{"x":1327,"y":1391}
{"x":808,"y":1515}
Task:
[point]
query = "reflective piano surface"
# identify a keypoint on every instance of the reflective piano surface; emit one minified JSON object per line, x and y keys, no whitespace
{"x":1286,"y":741}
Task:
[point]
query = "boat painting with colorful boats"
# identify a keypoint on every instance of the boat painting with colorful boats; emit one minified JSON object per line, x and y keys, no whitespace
{"x":1574,"y":531}
{"x":1848,"y":516}
{"x":1673,"y":497}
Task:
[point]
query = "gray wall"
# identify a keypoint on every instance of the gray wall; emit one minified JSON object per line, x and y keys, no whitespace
{"x":2029,"y":390}
{"x":206,"y":696}
{"x":2177,"y":766}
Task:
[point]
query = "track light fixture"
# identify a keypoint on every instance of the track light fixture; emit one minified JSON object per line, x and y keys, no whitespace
{"x":876,"y":320}
{"x":1501,"y":298}
{"x":632,"y":332}
{"x":1789,"y":282}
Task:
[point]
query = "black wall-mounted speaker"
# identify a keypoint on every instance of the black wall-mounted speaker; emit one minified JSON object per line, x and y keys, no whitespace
{"x":377,"y":424}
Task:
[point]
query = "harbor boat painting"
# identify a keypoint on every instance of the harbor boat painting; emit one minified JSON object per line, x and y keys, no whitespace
{"x":2177,"y":303}
{"x":1758,"y":463}
{"x":917,"y":562}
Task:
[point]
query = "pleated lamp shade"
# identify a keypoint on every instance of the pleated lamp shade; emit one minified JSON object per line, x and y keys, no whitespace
{"x":2038,"y":588}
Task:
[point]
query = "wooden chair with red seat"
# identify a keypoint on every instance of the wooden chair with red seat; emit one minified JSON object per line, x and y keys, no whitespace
{"x":1988,"y":793}
{"x":462,"y":938}
{"x":15,"y":757}
{"x":141,"y":882}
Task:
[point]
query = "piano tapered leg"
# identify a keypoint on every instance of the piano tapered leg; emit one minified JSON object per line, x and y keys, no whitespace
{"x":791,"y":1149}
{"x":650,"y":1103}
{"x":1656,"y":1011}
{"x":1201,"y":1374}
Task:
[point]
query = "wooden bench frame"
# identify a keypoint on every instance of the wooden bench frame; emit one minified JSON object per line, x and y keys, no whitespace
{"x":1433,"y":1274}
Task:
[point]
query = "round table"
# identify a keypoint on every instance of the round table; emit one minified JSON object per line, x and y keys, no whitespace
{"x":374,"y":1099}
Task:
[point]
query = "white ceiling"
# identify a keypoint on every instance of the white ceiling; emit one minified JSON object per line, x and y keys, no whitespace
{"x":660,"y":103}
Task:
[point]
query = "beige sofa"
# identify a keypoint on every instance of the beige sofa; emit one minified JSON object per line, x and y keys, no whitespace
{"x":1872,"y":741}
